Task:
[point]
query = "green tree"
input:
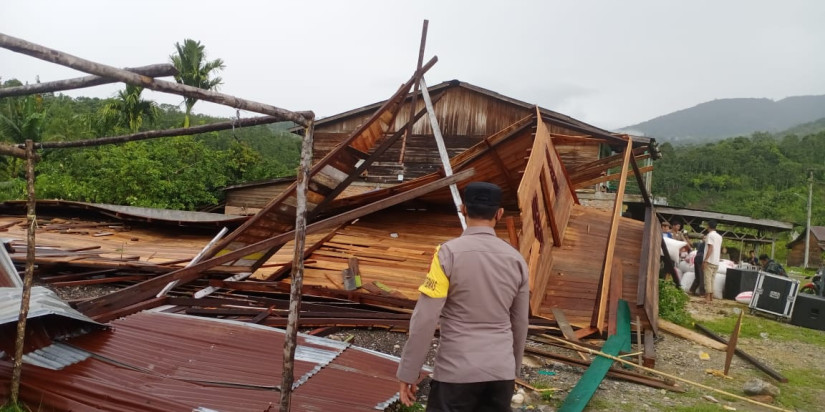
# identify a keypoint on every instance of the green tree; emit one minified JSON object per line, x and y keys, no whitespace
{"x":194,"y":70}
{"x":128,"y":110}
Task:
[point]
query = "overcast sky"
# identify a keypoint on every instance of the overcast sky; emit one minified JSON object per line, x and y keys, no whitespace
{"x":609,"y":63}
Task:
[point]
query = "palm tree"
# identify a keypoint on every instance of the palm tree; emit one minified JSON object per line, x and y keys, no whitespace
{"x":128,"y":110}
{"x":194,"y":70}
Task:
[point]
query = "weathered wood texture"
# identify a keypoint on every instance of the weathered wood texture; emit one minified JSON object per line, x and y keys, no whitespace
{"x":607,"y":266}
{"x":389,"y":251}
{"x":465,"y":116}
{"x":87,"y":66}
{"x":327,"y":178}
{"x":545,"y":200}
{"x":572,"y":282}
{"x":152,"y":70}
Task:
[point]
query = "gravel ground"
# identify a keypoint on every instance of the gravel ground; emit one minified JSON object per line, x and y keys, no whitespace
{"x":677,"y":357}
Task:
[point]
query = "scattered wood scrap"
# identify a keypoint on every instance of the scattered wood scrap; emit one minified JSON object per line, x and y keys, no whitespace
{"x":690,"y":335}
{"x":742,"y":354}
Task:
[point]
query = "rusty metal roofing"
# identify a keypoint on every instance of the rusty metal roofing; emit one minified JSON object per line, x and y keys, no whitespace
{"x":155,"y":361}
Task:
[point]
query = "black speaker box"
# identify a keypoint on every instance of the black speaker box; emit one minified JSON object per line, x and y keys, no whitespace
{"x":738,"y":281}
{"x":809,"y":312}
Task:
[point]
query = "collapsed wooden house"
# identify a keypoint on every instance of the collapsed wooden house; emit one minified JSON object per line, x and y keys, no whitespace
{"x":379,"y":199}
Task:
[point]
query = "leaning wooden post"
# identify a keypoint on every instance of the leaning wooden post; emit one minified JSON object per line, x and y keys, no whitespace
{"x":27,"y":282}
{"x":290,"y":342}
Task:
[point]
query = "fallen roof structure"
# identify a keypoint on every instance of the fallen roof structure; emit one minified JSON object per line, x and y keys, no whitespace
{"x":155,"y":361}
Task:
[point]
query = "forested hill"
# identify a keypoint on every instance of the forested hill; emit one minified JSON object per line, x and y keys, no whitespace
{"x":761,"y":176}
{"x":185,"y":172}
{"x":717,"y":119}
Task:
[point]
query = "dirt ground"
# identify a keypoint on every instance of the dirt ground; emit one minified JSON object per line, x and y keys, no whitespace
{"x":675,"y":356}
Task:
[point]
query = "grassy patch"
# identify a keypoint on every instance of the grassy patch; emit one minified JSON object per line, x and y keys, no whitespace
{"x":806,"y":390}
{"x":754,"y":326}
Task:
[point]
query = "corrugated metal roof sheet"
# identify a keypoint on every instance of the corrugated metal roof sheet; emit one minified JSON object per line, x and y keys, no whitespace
{"x":48,"y":318}
{"x":43,"y":302}
{"x":155,"y":361}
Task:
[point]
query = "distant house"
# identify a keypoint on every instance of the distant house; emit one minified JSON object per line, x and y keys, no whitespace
{"x":796,"y":255}
{"x":466,"y":115}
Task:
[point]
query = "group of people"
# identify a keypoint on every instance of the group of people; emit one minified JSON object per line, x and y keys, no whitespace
{"x":709,"y":252}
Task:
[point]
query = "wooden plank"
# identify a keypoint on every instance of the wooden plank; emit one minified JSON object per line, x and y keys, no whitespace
{"x":145,"y":290}
{"x":690,"y":335}
{"x":649,"y":357}
{"x":599,"y":311}
{"x":580,"y":395}
{"x":734,"y":336}
{"x":510,"y":221}
{"x":565,"y":327}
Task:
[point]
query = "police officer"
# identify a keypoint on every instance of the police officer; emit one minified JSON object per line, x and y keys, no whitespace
{"x":477,"y":286}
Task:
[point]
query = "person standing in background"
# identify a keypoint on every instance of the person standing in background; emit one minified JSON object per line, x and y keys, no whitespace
{"x":710,"y":264}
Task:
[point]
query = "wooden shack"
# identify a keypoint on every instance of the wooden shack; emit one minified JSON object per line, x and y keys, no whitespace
{"x":466,"y":115}
{"x":796,"y":254}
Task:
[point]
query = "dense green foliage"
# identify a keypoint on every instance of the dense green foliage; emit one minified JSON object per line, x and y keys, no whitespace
{"x":761,"y":176}
{"x":181,"y":173}
{"x":673,"y":303}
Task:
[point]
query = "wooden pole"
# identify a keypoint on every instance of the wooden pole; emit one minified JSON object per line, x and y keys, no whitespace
{"x":734,"y":337}
{"x":418,"y":75}
{"x":297,"y":269}
{"x":25,"y":296}
{"x":607,"y":266}
{"x":152,"y":70}
{"x":88,"y":66}
{"x":666,"y":375}
{"x":442,"y":151}
{"x":153,"y":134}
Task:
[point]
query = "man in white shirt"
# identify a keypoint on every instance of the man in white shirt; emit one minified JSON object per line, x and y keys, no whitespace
{"x":713,"y":249}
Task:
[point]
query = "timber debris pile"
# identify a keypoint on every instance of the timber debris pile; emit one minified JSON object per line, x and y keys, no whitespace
{"x":195,"y":324}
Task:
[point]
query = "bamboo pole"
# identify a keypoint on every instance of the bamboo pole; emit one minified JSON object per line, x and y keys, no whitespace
{"x":297,"y":269}
{"x":153,"y":134}
{"x":152,"y":70}
{"x":25,"y":296}
{"x":88,"y":66}
{"x":666,"y":375}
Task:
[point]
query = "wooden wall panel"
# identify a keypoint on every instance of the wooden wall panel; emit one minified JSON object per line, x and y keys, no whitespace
{"x":574,"y":277}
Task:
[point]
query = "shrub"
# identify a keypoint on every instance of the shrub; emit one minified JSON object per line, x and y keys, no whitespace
{"x":672,"y":303}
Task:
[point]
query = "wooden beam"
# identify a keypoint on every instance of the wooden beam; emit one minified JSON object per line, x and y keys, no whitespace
{"x":690,"y":335}
{"x":88,"y":66}
{"x":149,"y":288}
{"x":607,"y":265}
{"x":152,"y":70}
{"x":606,"y":178}
{"x":154,"y":134}
{"x":418,"y":75}
{"x":649,"y":357}
{"x":386,"y":144}
{"x":642,"y":187}
{"x":744,"y":355}
{"x":442,"y":151}
{"x":510,"y":221}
